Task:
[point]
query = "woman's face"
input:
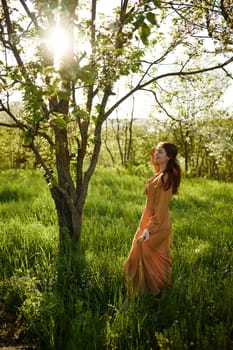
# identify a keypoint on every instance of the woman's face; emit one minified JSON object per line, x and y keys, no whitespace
{"x":160,"y":155}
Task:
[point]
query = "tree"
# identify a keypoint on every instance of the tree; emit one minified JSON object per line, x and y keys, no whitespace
{"x":122,"y":132}
{"x":213,"y":18}
{"x":73,"y":89}
{"x":187,"y":101}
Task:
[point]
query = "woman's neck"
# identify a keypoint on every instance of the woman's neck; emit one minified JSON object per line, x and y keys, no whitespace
{"x":162,"y":167}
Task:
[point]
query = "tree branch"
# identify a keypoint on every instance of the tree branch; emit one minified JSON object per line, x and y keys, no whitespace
{"x":29,"y":13}
{"x":10,"y":33}
{"x":18,"y":124}
{"x":165,"y":75}
{"x":90,"y":94}
{"x":229,"y":75}
{"x":160,"y":104}
{"x":160,"y":59}
{"x":225,"y":13}
{"x":9,"y":125}
{"x":41,"y":161}
{"x":51,"y":177}
{"x":92,"y":166}
{"x":184,"y":18}
{"x":183,"y":73}
{"x":46,"y":137}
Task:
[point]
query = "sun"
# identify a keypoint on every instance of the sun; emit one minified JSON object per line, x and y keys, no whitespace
{"x":59,"y":44}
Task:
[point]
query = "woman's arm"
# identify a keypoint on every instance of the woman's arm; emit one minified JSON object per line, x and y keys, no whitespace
{"x":160,"y":211}
{"x":152,"y":158}
{"x":146,"y":215}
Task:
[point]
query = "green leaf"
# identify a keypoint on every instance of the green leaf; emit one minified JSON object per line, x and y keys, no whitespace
{"x":157,"y":3}
{"x":95,"y":119}
{"x":144,"y":33}
{"x":27,"y":137}
{"x":151,"y":18}
{"x":60,"y":121}
{"x":64,"y":95}
{"x":139,"y":22}
{"x":86,"y":74}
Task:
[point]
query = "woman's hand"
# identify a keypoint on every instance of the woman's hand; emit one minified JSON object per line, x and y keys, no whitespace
{"x":152,"y":155}
{"x":152,"y":158}
{"x":145,"y":236}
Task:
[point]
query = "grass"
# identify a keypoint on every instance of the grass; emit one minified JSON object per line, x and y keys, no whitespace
{"x":76,"y":305}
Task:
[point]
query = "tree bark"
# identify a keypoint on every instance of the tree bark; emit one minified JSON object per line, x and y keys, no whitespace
{"x":69,"y":219}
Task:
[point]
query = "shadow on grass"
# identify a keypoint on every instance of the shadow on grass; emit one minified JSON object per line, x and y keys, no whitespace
{"x":10,"y":195}
{"x":79,"y":321}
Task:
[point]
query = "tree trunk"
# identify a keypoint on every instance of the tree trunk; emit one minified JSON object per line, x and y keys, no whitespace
{"x":69,"y":219}
{"x":105,"y":139}
{"x":118,"y":139}
{"x":186,"y":157}
{"x":130,"y":143}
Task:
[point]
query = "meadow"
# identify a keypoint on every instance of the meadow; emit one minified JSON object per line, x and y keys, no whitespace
{"x":54,"y":302}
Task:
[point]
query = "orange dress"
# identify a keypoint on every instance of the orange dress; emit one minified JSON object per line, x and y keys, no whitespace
{"x":148,"y":266}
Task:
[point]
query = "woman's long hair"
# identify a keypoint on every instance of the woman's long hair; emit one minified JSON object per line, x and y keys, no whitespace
{"x":173,"y":169}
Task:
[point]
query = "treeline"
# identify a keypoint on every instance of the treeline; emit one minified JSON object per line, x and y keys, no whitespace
{"x":14,"y":153}
{"x":205,"y":145}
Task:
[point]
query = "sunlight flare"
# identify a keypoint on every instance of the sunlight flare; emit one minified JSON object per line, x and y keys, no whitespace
{"x":60,"y":44}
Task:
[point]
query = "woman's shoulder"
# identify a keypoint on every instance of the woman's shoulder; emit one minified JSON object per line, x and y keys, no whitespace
{"x":157,"y":179}
{"x":153,"y":183}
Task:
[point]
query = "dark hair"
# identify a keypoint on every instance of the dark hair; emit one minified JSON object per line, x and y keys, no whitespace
{"x":172,"y":169}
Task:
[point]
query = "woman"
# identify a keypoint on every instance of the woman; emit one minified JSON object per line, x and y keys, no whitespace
{"x":148,"y":266}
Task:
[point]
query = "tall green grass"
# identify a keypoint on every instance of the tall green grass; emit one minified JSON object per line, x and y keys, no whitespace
{"x":64,"y":303}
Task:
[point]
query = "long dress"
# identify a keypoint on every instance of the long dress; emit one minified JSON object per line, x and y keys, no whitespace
{"x":148,"y":266}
